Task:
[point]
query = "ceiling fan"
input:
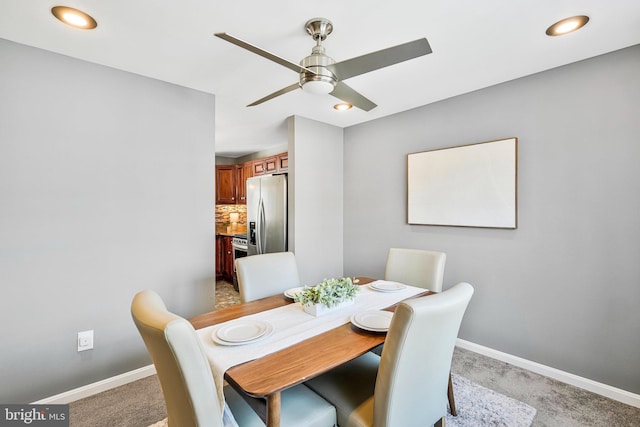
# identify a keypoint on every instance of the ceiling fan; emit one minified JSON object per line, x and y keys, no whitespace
{"x":320,"y":74}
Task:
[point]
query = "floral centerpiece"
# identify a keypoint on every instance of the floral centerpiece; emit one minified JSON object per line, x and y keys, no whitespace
{"x":330,"y":294}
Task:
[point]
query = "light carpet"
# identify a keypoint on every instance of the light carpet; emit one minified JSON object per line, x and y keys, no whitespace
{"x":477,"y":407}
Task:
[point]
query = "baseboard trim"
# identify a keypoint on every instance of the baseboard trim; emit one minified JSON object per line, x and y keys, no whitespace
{"x":614,"y":393}
{"x":605,"y":390}
{"x":98,"y":387}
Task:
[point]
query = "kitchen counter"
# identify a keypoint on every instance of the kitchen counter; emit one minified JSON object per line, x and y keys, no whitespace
{"x":222,"y":231}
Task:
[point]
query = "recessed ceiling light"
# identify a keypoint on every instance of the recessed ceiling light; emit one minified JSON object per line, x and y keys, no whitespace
{"x":343,"y":106}
{"x":74,"y":17}
{"x":567,"y":25}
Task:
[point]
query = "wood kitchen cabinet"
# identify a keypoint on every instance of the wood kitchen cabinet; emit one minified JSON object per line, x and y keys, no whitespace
{"x":227,"y":263}
{"x":271,"y":165}
{"x":283,"y":162}
{"x":231,"y":180}
{"x":231,"y":183}
{"x":225,"y":184}
{"x":219,"y":257}
{"x":243,"y":172}
{"x":224,"y":258}
{"x":258,"y":167}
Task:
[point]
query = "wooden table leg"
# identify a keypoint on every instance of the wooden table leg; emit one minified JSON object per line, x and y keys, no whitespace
{"x":273,"y":410}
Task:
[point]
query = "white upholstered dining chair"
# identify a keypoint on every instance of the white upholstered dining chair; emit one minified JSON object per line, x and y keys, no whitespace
{"x":407,"y":385}
{"x":187,"y":383}
{"x":423,"y":269}
{"x":416,"y":267}
{"x":265,"y":275}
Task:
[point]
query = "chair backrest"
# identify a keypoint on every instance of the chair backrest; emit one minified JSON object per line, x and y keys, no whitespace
{"x":411,"y":387}
{"x":264,"y":275}
{"x":416,"y":267}
{"x":181,"y":364}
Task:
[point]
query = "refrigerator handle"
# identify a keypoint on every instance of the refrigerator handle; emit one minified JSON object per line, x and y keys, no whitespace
{"x":263,"y":228}
{"x":260,"y":228}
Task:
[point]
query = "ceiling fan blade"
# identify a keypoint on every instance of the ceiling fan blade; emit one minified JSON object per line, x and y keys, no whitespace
{"x":380,"y":59}
{"x":275,"y":58}
{"x":274,"y":94}
{"x":345,"y":93}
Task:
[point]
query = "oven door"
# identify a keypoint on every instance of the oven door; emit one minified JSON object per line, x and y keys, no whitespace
{"x":239,"y":251}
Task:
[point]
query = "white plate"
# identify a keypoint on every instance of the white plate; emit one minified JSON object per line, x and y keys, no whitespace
{"x":242,"y":331}
{"x":373,"y":320}
{"x":387,"y":286}
{"x":291,"y":293}
{"x":217,"y":340}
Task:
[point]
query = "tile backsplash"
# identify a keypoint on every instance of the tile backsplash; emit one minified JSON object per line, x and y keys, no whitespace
{"x":223,"y":211}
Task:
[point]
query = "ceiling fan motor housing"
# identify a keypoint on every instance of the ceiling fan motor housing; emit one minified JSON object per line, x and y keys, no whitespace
{"x":323,"y":81}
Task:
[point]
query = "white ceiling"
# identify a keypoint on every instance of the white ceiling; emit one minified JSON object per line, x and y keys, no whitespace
{"x":475,"y":44}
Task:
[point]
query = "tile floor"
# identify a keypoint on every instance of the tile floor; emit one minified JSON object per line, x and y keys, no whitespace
{"x":226,"y":295}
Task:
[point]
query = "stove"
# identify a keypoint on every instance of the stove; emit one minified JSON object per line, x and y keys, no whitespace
{"x":239,"y":241}
{"x":239,"y":249}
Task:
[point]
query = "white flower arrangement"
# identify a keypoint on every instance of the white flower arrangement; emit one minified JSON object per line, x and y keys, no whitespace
{"x":330,"y":292}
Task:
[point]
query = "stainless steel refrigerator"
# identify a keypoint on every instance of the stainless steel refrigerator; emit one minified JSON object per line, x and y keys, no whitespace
{"x":267,"y":214}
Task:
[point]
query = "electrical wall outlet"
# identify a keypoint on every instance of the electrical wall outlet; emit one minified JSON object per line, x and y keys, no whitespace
{"x":85,"y":340}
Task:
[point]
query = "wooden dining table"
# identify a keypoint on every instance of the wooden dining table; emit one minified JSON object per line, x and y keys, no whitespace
{"x":266,"y":377}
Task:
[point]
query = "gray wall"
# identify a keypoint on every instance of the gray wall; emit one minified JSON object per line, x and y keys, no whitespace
{"x":562,"y":289}
{"x":106,"y":188}
{"x":316,"y":198}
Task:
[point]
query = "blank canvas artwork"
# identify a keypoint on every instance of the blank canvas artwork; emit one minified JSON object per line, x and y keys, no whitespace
{"x":470,"y":186}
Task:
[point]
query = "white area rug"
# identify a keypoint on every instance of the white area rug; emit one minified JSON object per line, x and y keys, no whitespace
{"x":477,"y":407}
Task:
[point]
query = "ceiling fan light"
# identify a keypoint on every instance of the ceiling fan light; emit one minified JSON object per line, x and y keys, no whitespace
{"x":344,"y":106}
{"x":318,"y":87}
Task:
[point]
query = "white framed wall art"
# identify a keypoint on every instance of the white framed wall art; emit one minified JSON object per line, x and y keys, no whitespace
{"x":469,"y":186}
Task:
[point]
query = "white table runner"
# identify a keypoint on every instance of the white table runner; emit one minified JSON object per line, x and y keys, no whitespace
{"x":291,"y":325}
